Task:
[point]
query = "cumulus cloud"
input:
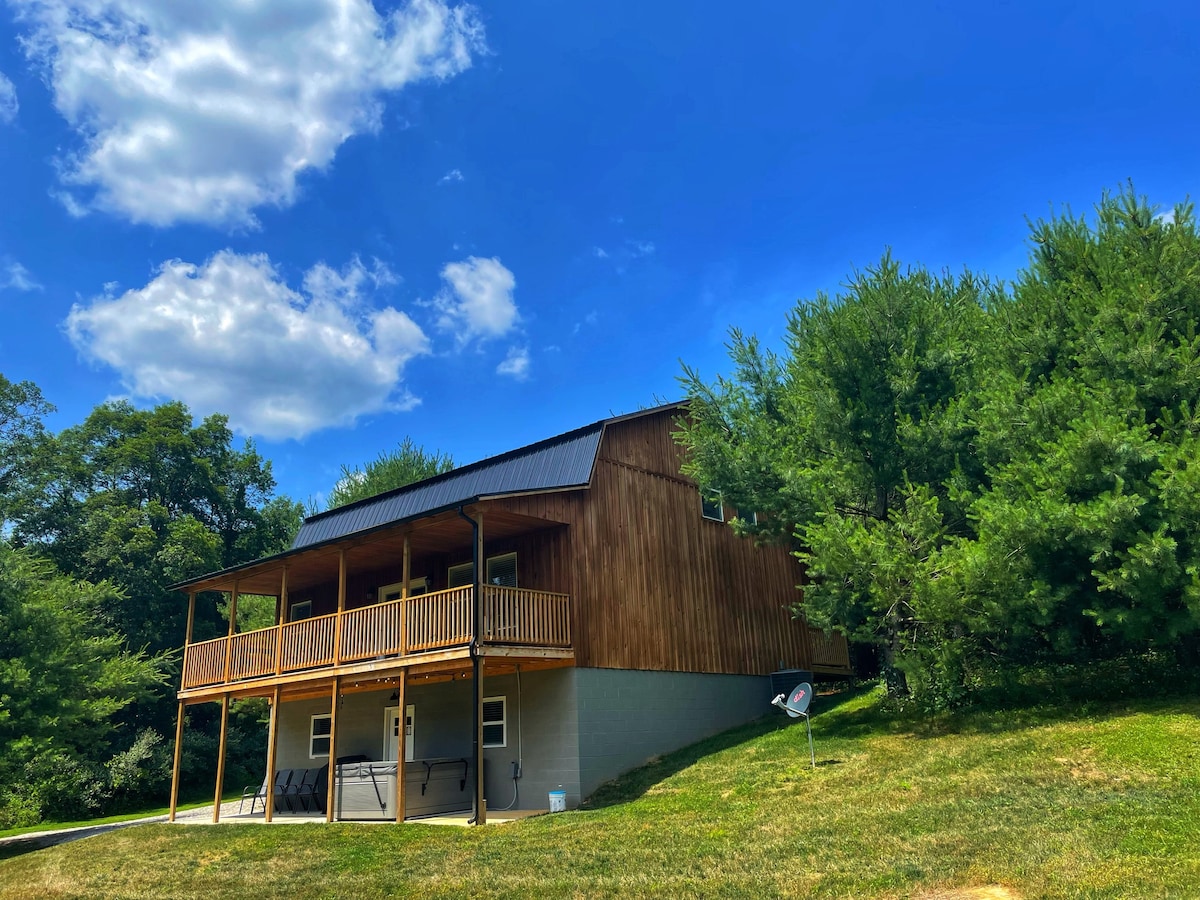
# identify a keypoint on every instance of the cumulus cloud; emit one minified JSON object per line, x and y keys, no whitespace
{"x":204,"y":111}
{"x":16,"y":276}
{"x":8,"y":100}
{"x":231,"y":336}
{"x":451,"y":176}
{"x":516,"y":364}
{"x":477,"y":301}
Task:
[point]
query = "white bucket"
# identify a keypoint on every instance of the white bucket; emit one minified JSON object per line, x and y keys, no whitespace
{"x":558,"y":801}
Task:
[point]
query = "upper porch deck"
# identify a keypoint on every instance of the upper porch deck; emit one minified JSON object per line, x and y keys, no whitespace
{"x":382,"y":635}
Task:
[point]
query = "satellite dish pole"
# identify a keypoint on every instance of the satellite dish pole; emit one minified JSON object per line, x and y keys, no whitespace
{"x":796,"y":706}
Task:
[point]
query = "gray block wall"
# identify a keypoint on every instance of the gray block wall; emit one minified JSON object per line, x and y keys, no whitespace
{"x":570,"y":728}
{"x":627,"y":717}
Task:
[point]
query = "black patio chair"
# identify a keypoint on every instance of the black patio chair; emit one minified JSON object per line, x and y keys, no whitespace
{"x":282,"y":777}
{"x":303,"y":792}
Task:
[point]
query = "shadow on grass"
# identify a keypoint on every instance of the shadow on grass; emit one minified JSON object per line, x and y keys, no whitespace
{"x":634,"y":783}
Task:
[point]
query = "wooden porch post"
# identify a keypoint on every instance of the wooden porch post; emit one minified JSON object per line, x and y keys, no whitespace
{"x":187,"y":638}
{"x":406,"y":574}
{"x":283,"y":610}
{"x":333,"y":722}
{"x":337,"y":625}
{"x":233,"y":600}
{"x":401,"y":739}
{"x":272,"y":743}
{"x":221,"y":758}
{"x":187,"y":635}
{"x":480,"y":802}
{"x":175,"y":765}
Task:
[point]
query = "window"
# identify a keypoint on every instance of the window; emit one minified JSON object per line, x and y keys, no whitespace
{"x":416,"y":587}
{"x":301,"y":610}
{"x":711,"y":506}
{"x":461,"y":575}
{"x":318,"y":735}
{"x":495,"y":727}
{"x":503,"y":570}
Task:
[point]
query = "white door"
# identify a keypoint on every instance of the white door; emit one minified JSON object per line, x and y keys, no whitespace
{"x":391,"y":732}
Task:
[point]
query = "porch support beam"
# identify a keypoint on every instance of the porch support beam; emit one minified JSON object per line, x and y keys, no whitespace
{"x":333,"y":723}
{"x":178,"y":757}
{"x":283,"y":611}
{"x":272,"y":746}
{"x":187,"y":637}
{"x":402,"y":737}
{"x":221,"y":759}
{"x":233,"y":601}
{"x":477,"y":667}
{"x":406,"y":574}
{"x":337,"y":625}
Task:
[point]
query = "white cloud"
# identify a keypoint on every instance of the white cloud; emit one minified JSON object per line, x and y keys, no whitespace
{"x":16,"y":276}
{"x":477,"y":300}
{"x":231,"y":336}
{"x":8,"y":100}
{"x":640,"y":248}
{"x":515,"y":364}
{"x":204,"y":111}
{"x":599,"y":253}
{"x":451,"y":176}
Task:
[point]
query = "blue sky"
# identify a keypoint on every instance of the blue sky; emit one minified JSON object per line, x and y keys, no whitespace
{"x":343,"y":223}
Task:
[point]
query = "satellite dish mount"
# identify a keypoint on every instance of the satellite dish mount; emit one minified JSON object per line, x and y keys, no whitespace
{"x":795,"y":704}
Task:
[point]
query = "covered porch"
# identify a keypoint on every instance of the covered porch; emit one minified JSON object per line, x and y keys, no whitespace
{"x":421,"y":743}
{"x":378,"y":614}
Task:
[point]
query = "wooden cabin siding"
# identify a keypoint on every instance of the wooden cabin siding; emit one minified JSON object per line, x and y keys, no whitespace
{"x":658,"y":587}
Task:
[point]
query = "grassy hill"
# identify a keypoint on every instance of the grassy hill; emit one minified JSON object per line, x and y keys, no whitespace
{"x":1092,"y":802}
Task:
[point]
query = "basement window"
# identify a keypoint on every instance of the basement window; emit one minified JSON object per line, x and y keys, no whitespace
{"x":495,"y":725}
{"x":711,"y":506}
{"x":318,"y":735}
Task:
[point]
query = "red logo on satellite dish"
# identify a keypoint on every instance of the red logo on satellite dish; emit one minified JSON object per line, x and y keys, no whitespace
{"x":798,"y":696}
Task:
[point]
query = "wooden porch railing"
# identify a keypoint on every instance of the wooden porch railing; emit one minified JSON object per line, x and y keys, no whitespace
{"x":828,"y":649}
{"x":440,"y":619}
{"x":520,"y":616}
{"x":397,"y":628}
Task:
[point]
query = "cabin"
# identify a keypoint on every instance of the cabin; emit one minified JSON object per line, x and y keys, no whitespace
{"x":507,"y":635}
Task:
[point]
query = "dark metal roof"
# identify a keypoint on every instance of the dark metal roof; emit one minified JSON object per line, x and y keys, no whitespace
{"x":562,"y":462}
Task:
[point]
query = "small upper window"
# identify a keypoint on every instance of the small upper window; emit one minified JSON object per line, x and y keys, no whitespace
{"x":462,"y":575}
{"x":502,"y":570}
{"x":318,"y":735}
{"x":711,"y":507}
{"x":495,"y":725}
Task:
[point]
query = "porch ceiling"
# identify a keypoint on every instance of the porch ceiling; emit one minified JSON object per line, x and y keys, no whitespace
{"x":308,"y":567}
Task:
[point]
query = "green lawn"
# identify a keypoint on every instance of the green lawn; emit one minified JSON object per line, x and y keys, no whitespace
{"x":1098,"y":802}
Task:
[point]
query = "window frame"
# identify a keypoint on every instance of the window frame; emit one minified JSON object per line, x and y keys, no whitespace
{"x":710,"y":497}
{"x":459,"y":566}
{"x":313,"y":736}
{"x":502,"y":722}
{"x":292,"y":617}
{"x":491,"y":559}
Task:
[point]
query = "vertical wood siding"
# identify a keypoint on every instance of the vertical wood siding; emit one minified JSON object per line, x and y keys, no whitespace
{"x":658,"y":587}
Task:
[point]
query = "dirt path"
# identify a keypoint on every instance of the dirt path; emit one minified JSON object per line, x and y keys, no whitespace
{"x":40,"y":840}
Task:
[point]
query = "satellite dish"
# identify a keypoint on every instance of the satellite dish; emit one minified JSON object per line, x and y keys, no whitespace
{"x":795,"y":704}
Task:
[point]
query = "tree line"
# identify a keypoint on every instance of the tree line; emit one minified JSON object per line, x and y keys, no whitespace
{"x":96,"y":522}
{"x":982,"y":479}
